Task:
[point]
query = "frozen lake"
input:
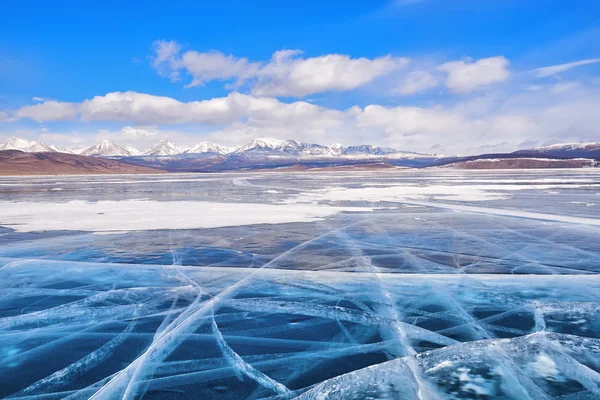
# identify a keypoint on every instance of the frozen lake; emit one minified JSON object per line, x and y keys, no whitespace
{"x":407,"y":284}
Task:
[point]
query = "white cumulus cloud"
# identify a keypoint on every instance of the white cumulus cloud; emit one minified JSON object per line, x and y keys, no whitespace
{"x":287,"y":73}
{"x":149,"y":109}
{"x":203,"y":67}
{"x":49,"y":111}
{"x":466,"y":76}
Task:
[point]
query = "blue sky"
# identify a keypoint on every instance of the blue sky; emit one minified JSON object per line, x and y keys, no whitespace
{"x":425,"y":75}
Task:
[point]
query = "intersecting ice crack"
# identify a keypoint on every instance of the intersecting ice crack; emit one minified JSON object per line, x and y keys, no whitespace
{"x":124,"y":383}
{"x":242,"y":367}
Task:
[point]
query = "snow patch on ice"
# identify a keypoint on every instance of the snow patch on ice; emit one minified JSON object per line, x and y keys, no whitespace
{"x":135,"y":215}
{"x":416,"y":192}
{"x":404,"y":192}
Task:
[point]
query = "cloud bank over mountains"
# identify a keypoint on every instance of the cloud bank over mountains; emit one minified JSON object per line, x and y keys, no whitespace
{"x":481,"y":104}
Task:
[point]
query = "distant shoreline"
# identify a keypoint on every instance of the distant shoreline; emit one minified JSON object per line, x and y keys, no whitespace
{"x":292,"y":171}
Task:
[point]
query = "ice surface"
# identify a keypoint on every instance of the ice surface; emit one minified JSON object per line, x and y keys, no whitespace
{"x":386,"y":291}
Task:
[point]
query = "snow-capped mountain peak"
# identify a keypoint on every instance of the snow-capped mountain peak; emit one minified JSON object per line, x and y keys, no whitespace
{"x":28,"y":146}
{"x":16,"y":143}
{"x":108,"y":148}
{"x":265,"y":145}
{"x":164,"y":148}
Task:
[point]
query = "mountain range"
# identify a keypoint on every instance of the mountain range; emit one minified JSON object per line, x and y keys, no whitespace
{"x":268,"y":153}
{"x":259,"y":146}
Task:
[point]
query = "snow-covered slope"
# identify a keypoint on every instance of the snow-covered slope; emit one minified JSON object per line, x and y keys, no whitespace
{"x":164,"y":148}
{"x":368,"y":149}
{"x":336,"y":148}
{"x":16,"y":143}
{"x":571,"y":146}
{"x":108,"y":148}
{"x":208,"y":147}
{"x":75,"y":150}
{"x":566,"y":150}
{"x":523,"y":163}
{"x":261,"y":144}
{"x":59,"y":149}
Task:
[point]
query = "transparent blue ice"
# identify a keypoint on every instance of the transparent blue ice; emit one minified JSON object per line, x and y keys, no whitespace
{"x":401,"y":302}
